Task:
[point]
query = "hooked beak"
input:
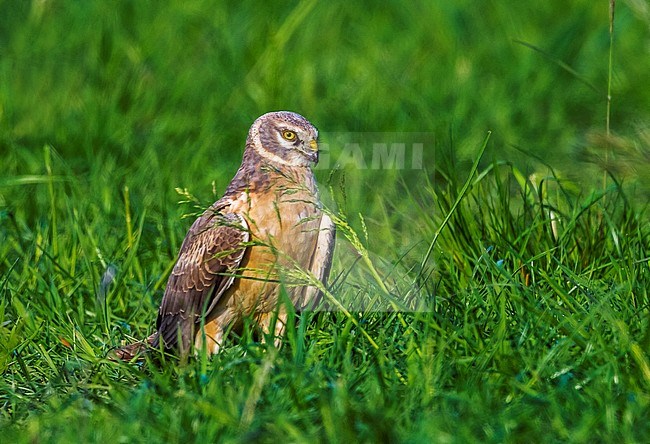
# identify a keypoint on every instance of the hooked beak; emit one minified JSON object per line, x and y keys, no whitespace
{"x":312,"y":153}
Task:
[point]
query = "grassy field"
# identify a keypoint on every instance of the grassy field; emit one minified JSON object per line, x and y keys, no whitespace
{"x":517,"y":250}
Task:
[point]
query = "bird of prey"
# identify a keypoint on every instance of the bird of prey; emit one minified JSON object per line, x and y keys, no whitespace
{"x":232,"y":260}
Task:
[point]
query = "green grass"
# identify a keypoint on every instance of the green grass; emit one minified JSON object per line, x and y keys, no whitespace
{"x":526,"y":319}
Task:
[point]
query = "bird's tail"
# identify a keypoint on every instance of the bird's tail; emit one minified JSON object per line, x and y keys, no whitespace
{"x":133,"y":352}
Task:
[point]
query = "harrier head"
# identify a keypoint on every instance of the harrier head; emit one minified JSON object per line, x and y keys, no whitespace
{"x":285,"y":138}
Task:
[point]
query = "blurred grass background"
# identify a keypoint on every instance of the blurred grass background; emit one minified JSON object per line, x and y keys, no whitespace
{"x":130,"y":88}
{"x":107,"y":107}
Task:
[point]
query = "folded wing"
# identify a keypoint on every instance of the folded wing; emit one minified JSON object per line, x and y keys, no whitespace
{"x":207,"y":264}
{"x":321,"y":261}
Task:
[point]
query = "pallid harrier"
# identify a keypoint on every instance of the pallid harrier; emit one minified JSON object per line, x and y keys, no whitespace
{"x":230,"y":263}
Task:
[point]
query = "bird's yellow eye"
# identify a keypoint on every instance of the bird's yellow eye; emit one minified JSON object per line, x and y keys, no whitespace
{"x":288,"y":135}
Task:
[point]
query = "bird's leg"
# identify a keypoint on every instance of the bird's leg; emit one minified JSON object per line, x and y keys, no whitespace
{"x":212,"y":333}
{"x":265,"y":321}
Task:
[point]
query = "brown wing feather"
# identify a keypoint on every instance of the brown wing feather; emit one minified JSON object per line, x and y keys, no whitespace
{"x":207,"y":262}
{"x":321,"y":261}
